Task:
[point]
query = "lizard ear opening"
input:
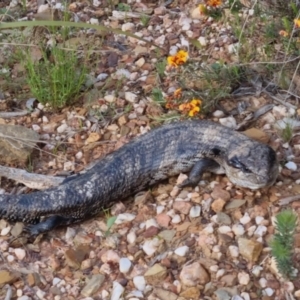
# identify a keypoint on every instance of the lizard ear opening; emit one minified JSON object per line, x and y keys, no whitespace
{"x":216,"y":151}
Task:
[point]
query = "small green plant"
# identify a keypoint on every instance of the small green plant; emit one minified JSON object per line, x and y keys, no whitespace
{"x":57,"y":81}
{"x":283,"y":242}
{"x":145,"y":20}
{"x":158,"y":96}
{"x":287,"y":132}
{"x":161,"y":67}
{"x":110,"y":221}
{"x":123,"y":7}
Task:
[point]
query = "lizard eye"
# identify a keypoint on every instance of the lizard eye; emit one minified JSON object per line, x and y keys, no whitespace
{"x":235,"y":163}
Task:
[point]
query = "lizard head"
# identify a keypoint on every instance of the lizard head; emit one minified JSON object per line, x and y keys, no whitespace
{"x":253,"y":165}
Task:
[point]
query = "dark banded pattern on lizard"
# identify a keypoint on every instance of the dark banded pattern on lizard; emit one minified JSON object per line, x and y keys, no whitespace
{"x":188,"y":146}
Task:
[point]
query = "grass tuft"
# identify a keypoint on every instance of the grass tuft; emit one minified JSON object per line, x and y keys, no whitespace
{"x":56,"y":80}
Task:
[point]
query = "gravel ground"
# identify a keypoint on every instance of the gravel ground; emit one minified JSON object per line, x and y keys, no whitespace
{"x":208,"y":242}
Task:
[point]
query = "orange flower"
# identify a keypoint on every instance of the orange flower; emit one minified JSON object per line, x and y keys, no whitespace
{"x":297,"y":23}
{"x":177,"y":93}
{"x":178,"y":59}
{"x":214,"y":3}
{"x":191,"y":108}
{"x":283,"y":33}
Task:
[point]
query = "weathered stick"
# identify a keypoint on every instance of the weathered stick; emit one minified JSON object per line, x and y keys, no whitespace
{"x":31,"y":180}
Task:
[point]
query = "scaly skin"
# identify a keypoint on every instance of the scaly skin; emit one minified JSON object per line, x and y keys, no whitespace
{"x":166,"y":151}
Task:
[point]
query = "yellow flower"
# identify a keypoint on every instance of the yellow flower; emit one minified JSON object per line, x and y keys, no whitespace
{"x":178,"y":59}
{"x":194,"y":111}
{"x":182,"y":55}
{"x":297,"y":23}
{"x":214,"y":3}
{"x":283,"y":33}
{"x":196,"y":102}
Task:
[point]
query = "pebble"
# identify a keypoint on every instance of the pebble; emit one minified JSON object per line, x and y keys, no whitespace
{"x":124,"y":265}
{"x":214,"y":268}
{"x":243,"y":278}
{"x":123,"y":218}
{"x":94,"y":21}
{"x":229,"y":122}
{"x":256,"y":270}
{"x":131,"y":237}
{"x":40,"y":106}
{"x":291,"y":166}
{"x":182,"y":251}
{"x":245,"y":296}
{"x":159,"y":209}
{"x":130,"y":97}
{"x":139,"y":63}
{"x":150,"y":223}
{"x":163,"y":220}
{"x":41,"y":294}
{"x":110,"y":256}
{"x":135,"y":295}
{"x":20,"y":253}
{"x":122,"y":73}
{"x":79,"y":155}
{"x":128,"y":26}
{"x":220,"y":273}
{"x":117,"y":291}
{"x":10,"y":258}
{"x":101,"y":77}
{"x":260,"y":231}
{"x":150,"y":246}
{"x":224,"y":229}
{"x":63,"y":127}
{"x":263,"y":282}
{"x":249,"y":249}
{"x":245,"y":219}
{"x":238,"y":229}
{"x":259,"y":219}
{"x":139,"y":282}
{"x":69,"y":166}
{"x":268,"y":292}
{"x":24,"y":298}
{"x":110,"y":98}
{"x":5,"y":230}
{"x":234,"y":251}
{"x":93,"y":285}
{"x":194,"y":274}
{"x":36,"y":127}
{"x":195,"y":211}
{"x":209,"y":229}
{"x":202,"y":40}
{"x":176,"y":219}
{"x":70,"y":233}
{"x":218,"y":114}
{"x":55,"y":281}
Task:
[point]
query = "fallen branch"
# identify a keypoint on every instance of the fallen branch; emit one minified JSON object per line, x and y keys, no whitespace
{"x":288,"y":200}
{"x":7,"y":115}
{"x":31,"y":180}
